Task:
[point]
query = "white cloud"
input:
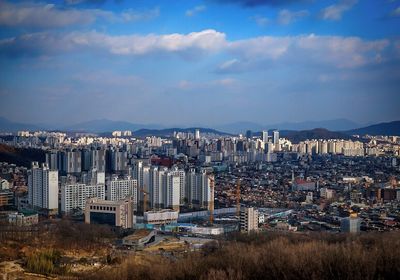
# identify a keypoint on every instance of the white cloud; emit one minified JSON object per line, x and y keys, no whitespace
{"x":333,"y":51}
{"x":395,"y":12}
{"x":195,"y":10}
{"x":190,"y":85}
{"x":260,"y":20}
{"x":335,"y":12}
{"x":133,"y":15}
{"x":187,"y":45}
{"x":40,"y":15}
{"x":286,"y":17}
{"x":266,"y":47}
{"x":246,"y":54}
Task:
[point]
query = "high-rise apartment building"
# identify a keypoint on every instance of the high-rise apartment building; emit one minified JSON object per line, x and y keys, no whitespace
{"x":350,"y":224}
{"x":74,"y":196}
{"x":97,"y":159}
{"x":172,"y":186}
{"x":248,"y":219}
{"x":265,"y":136}
{"x":43,"y":187}
{"x":197,"y":134}
{"x":118,"y":189}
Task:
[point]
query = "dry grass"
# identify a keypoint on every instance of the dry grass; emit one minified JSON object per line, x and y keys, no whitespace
{"x":370,"y":256}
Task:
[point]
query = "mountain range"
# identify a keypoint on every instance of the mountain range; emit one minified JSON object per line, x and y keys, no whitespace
{"x":334,"y":125}
{"x":339,"y":127}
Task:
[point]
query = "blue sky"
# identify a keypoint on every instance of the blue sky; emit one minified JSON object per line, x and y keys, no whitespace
{"x":200,"y":62}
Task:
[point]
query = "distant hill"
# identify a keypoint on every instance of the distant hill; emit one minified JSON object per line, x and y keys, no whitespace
{"x":388,"y":128}
{"x":170,"y":131}
{"x":240,"y":127}
{"x":317,"y":133}
{"x":104,"y":125}
{"x":333,"y":125}
{"x":10,"y":126}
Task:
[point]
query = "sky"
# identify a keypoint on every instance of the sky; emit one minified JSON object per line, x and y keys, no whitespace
{"x":199,"y":62}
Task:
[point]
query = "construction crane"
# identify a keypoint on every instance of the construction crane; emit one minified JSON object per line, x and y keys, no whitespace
{"x":145,"y":193}
{"x":238,"y":198}
{"x":212,"y":200}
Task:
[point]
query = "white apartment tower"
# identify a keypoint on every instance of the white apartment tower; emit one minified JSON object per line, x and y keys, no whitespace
{"x":172,"y":190}
{"x":182,"y":184}
{"x":118,"y":189}
{"x":248,"y":219}
{"x":74,"y":196}
{"x":265,"y":136}
{"x":43,"y":187}
{"x":197,"y":134}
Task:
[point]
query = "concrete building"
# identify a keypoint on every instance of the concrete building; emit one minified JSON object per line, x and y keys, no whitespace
{"x":97,"y":159}
{"x":119,"y":160}
{"x":197,"y":134}
{"x":72,"y":161}
{"x":118,"y":189}
{"x":265,"y":137}
{"x":25,"y":218}
{"x":162,"y":217}
{"x":172,"y":187}
{"x":248,"y":219}
{"x":74,"y":196}
{"x":4,"y":184}
{"x":182,"y":184}
{"x":113,"y":213}
{"x":275,"y":139}
{"x":43,"y":187}
{"x":198,"y":190}
{"x":350,"y":224}
{"x":6,"y":199}
{"x":303,"y":185}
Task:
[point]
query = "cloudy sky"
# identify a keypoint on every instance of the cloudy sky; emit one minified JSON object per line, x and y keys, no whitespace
{"x":205,"y":62}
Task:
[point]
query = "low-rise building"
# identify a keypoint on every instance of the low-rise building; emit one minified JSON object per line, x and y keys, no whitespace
{"x":162,"y":217}
{"x":24,"y":218}
{"x":113,"y":213}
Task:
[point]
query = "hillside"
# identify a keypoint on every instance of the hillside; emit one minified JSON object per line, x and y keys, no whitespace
{"x":170,"y":131}
{"x":104,"y":125}
{"x":317,"y":133}
{"x":9,"y":126}
{"x":21,"y":156}
{"x":388,"y":128}
{"x":273,"y":256}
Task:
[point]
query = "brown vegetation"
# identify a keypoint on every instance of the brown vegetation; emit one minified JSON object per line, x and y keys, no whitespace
{"x":21,"y":156}
{"x":276,"y":256}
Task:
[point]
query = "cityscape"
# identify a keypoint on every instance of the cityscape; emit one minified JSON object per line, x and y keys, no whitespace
{"x":199,"y":139}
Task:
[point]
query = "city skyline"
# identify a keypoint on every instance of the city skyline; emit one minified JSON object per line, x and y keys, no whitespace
{"x":199,"y":62}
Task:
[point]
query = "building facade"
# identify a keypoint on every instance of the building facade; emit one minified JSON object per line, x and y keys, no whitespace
{"x":248,"y":219}
{"x":113,"y":213}
{"x":43,"y":187}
